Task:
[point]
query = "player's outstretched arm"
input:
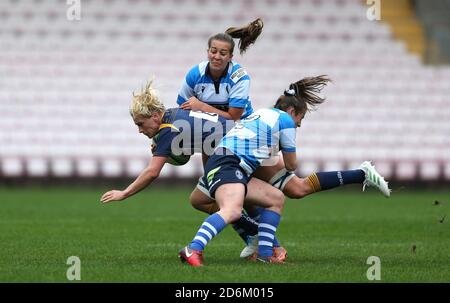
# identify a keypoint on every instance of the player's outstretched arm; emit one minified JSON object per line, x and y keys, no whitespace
{"x":146,"y":177}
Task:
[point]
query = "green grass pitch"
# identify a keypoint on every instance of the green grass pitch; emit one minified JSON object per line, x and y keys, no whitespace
{"x":329,"y":237}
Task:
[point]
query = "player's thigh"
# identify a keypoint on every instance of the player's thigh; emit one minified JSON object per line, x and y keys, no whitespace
{"x":230,"y":198}
{"x":266,"y":173}
{"x":261,"y":193}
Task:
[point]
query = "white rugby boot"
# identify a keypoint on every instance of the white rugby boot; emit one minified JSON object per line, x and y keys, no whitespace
{"x":251,"y":248}
{"x":374,"y":179}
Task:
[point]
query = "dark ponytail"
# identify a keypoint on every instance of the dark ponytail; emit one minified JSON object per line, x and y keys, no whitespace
{"x":247,"y":34}
{"x":303,"y":95}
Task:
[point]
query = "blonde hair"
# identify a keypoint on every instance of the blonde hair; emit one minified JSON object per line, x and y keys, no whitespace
{"x":147,"y":102}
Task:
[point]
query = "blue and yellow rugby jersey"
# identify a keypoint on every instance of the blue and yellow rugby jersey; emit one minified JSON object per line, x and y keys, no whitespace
{"x":231,"y":90}
{"x":260,"y":136}
{"x":188,"y":132}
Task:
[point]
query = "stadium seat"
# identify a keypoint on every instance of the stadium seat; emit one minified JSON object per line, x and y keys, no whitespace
{"x":74,"y":80}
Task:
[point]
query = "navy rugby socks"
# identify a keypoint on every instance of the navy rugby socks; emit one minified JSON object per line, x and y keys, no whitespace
{"x":328,"y":180}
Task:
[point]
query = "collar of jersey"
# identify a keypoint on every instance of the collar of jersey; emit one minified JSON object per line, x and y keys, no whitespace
{"x":224,"y":73}
{"x":164,"y":125}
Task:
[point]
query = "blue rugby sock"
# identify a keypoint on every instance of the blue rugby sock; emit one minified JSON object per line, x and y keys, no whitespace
{"x":213,"y":225}
{"x":255,"y":214}
{"x":268,"y":225}
{"x":328,"y":180}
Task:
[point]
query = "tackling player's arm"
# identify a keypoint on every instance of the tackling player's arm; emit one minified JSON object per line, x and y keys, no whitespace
{"x":287,"y":142}
{"x":237,"y":98}
{"x":233,"y":113}
{"x":146,"y":177}
{"x":290,"y":160}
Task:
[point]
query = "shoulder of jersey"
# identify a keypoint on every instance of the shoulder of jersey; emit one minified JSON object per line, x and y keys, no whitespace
{"x":201,"y":67}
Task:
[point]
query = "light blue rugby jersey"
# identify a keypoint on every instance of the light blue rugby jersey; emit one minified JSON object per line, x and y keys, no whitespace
{"x":260,"y":136}
{"x":232,"y":91}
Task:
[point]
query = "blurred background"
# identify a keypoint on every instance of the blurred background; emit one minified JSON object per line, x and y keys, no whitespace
{"x":68,"y":70}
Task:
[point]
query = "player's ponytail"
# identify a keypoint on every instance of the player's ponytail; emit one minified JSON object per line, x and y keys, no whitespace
{"x":147,"y":102}
{"x":308,"y":90}
{"x":246,"y":34}
{"x":303,"y":95}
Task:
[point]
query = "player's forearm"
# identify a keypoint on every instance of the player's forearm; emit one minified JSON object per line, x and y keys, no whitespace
{"x":291,"y":166}
{"x":290,"y":161}
{"x":211,"y":109}
{"x":141,"y":182}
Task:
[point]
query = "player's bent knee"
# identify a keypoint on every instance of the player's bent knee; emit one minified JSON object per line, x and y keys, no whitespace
{"x":231,"y":215}
{"x":235,"y":216}
{"x":196,"y":205}
{"x":278,"y":200}
{"x":200,"y":203}
{"x":193,"y":198}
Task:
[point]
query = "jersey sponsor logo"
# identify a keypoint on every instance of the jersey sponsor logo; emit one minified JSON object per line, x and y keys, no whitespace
{"x":239,"y":174}
{"x":237,"y":75}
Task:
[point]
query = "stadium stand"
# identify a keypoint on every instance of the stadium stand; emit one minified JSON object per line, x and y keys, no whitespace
{"x":435,"y":15}
{"x":65,"y":86}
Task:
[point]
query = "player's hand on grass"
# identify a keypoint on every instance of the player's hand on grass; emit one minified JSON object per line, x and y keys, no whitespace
{"x":193,"y":104}
{"x":112,"y":195}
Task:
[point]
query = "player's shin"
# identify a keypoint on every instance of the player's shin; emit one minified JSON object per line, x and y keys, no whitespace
{"x":213,"y":225}
{"x":328,"y":180}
